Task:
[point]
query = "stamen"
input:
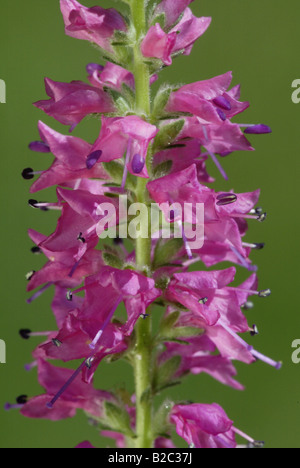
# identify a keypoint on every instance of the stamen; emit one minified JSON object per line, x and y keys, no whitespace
{"x":30,"y":275}
{"x":56,"y":342}
{"x":221,"y":114}
{"x":81,"y":238}
{"x":39,"y":147}
{"x":222,"y":102}
{"x":125,"y":165}
{"x":26,"y":334}
{"x":108,"y":319}
{"x":144,"y":316}
{"x":8,"y":407}
{"x":138,"y":163}
{"x":254,"y":331}
{"x":89,"y":362}
{"x":254,"y":246}
{"x":213,"y":156}
{"x":70,"y":296}
{"x":93,"y":158}
{"x":74,"y":268}
{"x":28,"y":173}
{"x":118,"y":241}
{"x":203,"y":301}
{"x":218,"y":164}
{"x":236,"y":336}
{"x":252,"y":442}
{"x":265,"y":293}
{"x":36,"y":250}
{"x":67,"y":384}
{"x":39,"y":293}
{"x":249,"y":348}
{"x":92,"y":67}
{"x":44,"y":206}
{"x":22,"y":399}
{"x":29,"y":367}
{"x":267,"y":360}
{"x":257,"y":210}
{"x":243,"y":261}
{"x":248,"y":305}
{"x":226,"y":199}
{"x":260,"y":218}
{"x":185,"y":241}
{"x":257,"y":129}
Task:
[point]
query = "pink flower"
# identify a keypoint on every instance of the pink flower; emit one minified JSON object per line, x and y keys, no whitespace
{"x":112,"y":76}
{"x":69,"y":103}
{"x":70,"y":164}
{"x":188,"y":30}
{"x":172,"y":9}
{"x":158,"y":44}
{"x":77,"y":396}
{"x":127,"y":134}
{"x":203,"y":426}
{"x":85,"y":445}
{"x":95,"y":24}
{"x":197,"y":357}
{"x":209,"y":100}
{"x":184,"y":156}
{"x":162,"y":45}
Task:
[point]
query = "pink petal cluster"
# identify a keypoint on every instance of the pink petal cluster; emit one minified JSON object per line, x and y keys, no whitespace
{"x":204,"y":310}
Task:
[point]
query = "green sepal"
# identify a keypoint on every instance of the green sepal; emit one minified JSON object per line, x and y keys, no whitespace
{"x":161,"y":423}
{"x":167,"y":134}
{"x":112,"y":260}
{"x":166,"y":251}
{"x":161,"y":100}
{"x":162,"y":169}
{"x":117,"y":418}
{"x":164,"y":374}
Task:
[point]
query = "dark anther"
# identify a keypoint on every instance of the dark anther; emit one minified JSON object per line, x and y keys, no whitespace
{"x":203,"y":301}
{"x":262,"y":217}
{"x":265,"y":293}
{"x":25,"y":333}
{"x":30,"y":275}
{"x":28,"y":174}
{"x":81,"y":238}
{"x":69,"y":296}
{"x":36,"y":250}
{"x":254,"y":331}
{"x":56,"y":342}
{"x":22,"y":399}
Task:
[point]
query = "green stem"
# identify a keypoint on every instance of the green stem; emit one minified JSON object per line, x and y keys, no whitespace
{"x":143,"y":349}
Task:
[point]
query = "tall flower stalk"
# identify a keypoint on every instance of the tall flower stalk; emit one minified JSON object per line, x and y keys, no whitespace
{"x":151,"y":150}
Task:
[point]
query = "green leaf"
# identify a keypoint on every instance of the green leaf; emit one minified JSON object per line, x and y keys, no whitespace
{"x":162,"y":169}
{"x":117,"y":418}
{"x":169,"y":321}
{"x":161,"y":19}
{"x":164,"y":374}
{"x":112,"y":261}
{"x":161,"y":422}
{"x":185,"y":332}
{"x":115,"y":170}
{"x":160,"y":101}
{"x":165,"y":251}
{"x":167,"y":134}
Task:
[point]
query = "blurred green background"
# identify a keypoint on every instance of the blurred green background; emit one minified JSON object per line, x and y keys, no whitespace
{"x":258,"y":41}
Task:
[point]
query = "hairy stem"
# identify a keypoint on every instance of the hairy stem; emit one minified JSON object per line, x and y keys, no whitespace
{"x":143,"y":350}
